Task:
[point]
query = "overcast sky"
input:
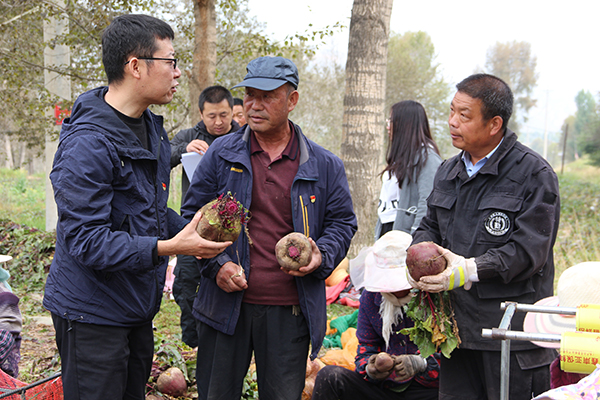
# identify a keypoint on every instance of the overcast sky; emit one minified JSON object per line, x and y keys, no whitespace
{"x":564,"y":36}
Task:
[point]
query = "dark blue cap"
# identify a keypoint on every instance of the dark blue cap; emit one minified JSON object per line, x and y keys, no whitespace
{"x":269,"y":73}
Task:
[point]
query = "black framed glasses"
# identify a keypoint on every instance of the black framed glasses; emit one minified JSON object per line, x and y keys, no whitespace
{"x":174,"y":60}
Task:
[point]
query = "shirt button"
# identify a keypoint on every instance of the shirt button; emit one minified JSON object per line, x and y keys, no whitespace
{"x":269,"y":167}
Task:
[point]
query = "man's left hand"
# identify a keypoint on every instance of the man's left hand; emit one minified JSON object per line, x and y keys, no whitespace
{"x":459,"y":272}
{"x":315,"y":262}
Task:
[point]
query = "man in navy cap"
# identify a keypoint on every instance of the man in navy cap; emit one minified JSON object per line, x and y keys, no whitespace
{"x":248,"y":304}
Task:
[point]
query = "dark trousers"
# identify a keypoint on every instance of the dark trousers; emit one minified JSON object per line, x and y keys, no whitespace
{"x":279,"y":340}
{"x":185,"y":286}
{"x":335,"y":382}
{"x":475,"y":375}
{"x":104,"y":362}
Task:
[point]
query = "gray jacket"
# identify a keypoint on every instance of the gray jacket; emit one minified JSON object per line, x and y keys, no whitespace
{"x":412,"y":204}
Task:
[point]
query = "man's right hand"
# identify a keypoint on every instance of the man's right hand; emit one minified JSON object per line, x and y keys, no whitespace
{"x":231,"y":278}
{"x":198,"y":146}
{"x":188,"y":242}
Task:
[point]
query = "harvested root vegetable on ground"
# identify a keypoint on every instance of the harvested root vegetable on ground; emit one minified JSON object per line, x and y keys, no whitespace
{"x":223,"y":219}
{"x":293,"y":251}
{"x":172,"y":382}
{"x":435,"y":328}
{"x":424,"y":259}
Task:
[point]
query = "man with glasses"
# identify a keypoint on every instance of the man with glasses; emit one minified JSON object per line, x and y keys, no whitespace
{"x":216,"y":110}
{"x":115,"y":233}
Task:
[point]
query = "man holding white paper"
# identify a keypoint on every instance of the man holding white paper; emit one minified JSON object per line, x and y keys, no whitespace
{"x":216,"y":110}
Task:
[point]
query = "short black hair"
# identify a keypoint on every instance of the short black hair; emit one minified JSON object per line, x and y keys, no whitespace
{"x":127,"y":35}
{"x":496,"y":97}
{"x":237,"y":101}
{"x":214,"y":95}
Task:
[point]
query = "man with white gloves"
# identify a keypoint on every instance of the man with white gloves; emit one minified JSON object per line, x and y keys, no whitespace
{"x":494,"y":210}
{"x":459,"y":272}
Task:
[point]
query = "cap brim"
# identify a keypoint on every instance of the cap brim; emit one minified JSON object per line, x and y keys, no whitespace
{"x":266,"y":84}
{"x":548,"y":323}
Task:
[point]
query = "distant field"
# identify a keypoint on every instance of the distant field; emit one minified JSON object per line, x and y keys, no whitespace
{"x":579,"y":232}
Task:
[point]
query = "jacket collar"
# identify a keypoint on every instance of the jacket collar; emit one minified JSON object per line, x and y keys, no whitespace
{"x":491,"y":166}
{"x":239,"y":151}
{"x":201,"y":128}
{"x":91,"y":112}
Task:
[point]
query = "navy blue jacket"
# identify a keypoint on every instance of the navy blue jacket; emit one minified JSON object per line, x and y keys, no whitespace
{"x":321,"y":208}
{"x":111,"y":195}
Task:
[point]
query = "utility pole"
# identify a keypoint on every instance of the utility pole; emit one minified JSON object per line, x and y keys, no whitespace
{"x":564,"y":152}
{"x":546,"y":128}
{"x":55,"y":58}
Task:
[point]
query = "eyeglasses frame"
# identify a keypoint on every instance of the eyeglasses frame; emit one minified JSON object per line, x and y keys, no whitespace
{"x":158,"y":59}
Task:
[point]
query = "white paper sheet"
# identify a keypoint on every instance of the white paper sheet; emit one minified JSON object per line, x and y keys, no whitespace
{"x":190,"y":162}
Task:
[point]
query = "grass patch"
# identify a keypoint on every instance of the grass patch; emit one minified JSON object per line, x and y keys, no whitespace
{"x":579,"y":231}
{"x":24,"y":197}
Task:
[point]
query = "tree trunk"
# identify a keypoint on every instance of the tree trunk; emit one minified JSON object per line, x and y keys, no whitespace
{"x":8,"y":161}
{"x":204,"y":65}
{"x":363,"y":123}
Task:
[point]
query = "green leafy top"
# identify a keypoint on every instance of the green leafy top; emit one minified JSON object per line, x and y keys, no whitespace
{"x":435,"y":328}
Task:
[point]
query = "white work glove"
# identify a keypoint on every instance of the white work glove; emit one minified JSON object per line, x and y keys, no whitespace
{"x":459,"y":272}
{"x":411,"y":281}
{"x":408,"y":365}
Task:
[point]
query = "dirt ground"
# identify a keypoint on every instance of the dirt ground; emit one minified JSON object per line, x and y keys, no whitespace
{"x":39,"y":355}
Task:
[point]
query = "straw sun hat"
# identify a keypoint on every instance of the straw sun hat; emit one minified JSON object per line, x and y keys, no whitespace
{"x":577,"y":285}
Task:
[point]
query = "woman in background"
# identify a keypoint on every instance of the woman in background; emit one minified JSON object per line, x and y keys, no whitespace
{"x":412,"y":161}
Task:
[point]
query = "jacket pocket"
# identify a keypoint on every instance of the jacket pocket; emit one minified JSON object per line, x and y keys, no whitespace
{"x":443,"y":204}
{"x":497,"y":218}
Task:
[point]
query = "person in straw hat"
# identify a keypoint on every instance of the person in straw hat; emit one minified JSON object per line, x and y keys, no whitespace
{"x":381,"y":270}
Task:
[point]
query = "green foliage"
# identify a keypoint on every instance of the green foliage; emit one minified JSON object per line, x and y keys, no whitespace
{"x":250,"y":387}
{"x":32,"y":251}
{"x":579,"y":234}
{"x":169,"y":352}
{"x":435,"y":328}
{"x":320,"y":109}
{"x":586,"y":127}
{"x":23,"y":195}
{"x":514,"y":63}
{"x":22,"y":45}
{"x":413,"y":74}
